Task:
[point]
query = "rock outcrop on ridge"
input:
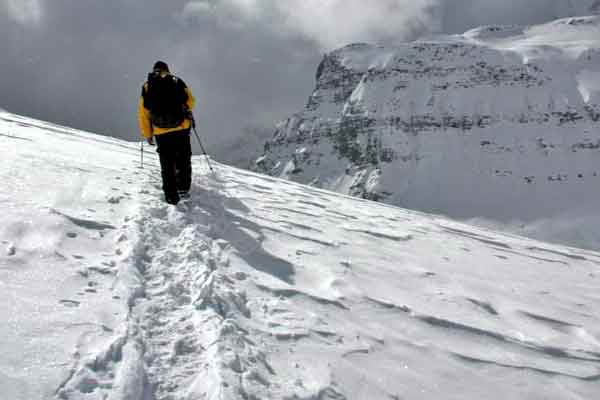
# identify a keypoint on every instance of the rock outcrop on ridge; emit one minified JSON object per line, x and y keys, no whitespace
{"x":501,"y":122}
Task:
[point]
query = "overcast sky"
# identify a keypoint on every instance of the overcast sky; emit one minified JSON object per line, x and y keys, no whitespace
{"x":249,"y":62}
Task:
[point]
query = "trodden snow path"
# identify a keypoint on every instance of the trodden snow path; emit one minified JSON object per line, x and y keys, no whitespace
{"x":182,"y":340}
{"x":258,"y":288}
{"x":214,"y":315}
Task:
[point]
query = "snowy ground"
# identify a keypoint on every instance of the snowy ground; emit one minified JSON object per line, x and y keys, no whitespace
{"x":259,"y":288}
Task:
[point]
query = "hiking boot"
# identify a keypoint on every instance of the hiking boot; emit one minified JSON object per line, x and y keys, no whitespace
{"x":172,"y":200}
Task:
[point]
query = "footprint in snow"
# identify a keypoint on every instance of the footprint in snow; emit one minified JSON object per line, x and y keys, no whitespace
{"x":11,"y":250}
{"x":115,"y":199}
{"x":240,"y":276}
{"x":106,"y":269}
{"x":110,"y":264}
{"x":70,"y":303}
{"x":91,"y":287}
{"x":71,"y":235}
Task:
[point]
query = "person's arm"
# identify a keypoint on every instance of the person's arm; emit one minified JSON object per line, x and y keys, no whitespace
{"x":145,"y":119}
{"x":191,"y":100}
{"x":190,"y":103}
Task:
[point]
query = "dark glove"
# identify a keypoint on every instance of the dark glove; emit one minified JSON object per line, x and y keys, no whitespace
{"x":190,"y":116}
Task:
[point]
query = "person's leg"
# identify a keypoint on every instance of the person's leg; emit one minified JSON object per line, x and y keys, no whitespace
{"x":168,"y":166}
{"x":184,"y":162}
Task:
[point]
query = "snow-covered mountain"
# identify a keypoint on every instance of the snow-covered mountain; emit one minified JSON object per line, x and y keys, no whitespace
{"x":502,"y":122}
{"x":260,"y":288}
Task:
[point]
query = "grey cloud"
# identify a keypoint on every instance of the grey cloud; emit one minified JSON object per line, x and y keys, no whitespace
{"x":23,"y":11}
{"x":85,"y":63}
{"x":328,"y":24}
{"x":334,"y":23}
{"x":249,"y":62}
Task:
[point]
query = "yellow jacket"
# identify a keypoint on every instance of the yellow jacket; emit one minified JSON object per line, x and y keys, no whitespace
{"x":145,"y":119}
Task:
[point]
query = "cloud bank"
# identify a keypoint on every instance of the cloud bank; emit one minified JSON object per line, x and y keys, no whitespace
{"x":330,"y":23}
{"x":334,"y":23}
{"x":249,"y":62}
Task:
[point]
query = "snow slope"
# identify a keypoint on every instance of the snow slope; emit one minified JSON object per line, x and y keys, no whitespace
{"x":259,"y":288}
{"x":502,"y":123}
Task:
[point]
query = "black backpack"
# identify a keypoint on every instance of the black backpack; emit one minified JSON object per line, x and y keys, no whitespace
{"x":166,"y":98}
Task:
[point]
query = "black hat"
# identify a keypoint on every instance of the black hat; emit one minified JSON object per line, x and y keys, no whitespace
{"x":161,"y":66}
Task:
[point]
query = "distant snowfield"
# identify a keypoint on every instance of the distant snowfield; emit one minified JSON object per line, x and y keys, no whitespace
{"x":259,"y":288}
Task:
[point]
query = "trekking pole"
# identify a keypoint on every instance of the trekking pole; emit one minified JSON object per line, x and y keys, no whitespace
{"x":142,"y":153}
{"x":201,"y":146}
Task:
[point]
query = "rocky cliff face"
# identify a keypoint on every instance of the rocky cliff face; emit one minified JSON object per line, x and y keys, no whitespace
{"x":502,"y":122}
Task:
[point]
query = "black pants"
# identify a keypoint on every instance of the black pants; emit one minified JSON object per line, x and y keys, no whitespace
{"x":175,"y":151}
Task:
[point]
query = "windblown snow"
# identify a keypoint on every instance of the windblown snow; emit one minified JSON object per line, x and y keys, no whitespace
{"x":259,"y":288}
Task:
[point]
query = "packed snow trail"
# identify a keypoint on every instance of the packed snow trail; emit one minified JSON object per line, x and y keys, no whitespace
{"x":258,"y":288}
{"x":204,"y":336}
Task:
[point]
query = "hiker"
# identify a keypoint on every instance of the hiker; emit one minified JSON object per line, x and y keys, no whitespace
{"x":165,"y":114}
